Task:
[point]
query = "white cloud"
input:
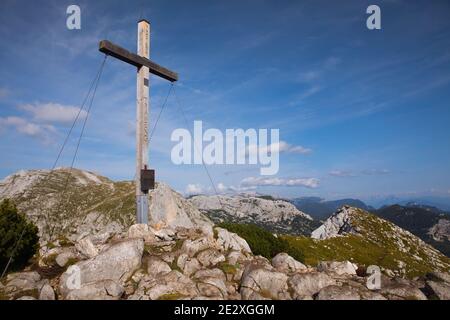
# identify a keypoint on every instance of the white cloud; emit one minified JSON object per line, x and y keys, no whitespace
{"x":23,"y":126}
{"x":192,"y":189}
{"x":372,"y":172}
{"x":278,"y":147}
{"x":341,"y":173}
{"x":291,"y":182}
{"x":53,"y":112}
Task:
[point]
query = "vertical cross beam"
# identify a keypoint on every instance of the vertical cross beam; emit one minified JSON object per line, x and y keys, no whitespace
{"x":142,"y":113}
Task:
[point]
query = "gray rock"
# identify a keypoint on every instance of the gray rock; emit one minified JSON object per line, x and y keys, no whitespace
{"x":211,"y":273}
{"x":308,"y":284}
{"x":337,"y":267}
{"x":116,"y":263}
{"x":47,"y":293}
{"x":285,"y":263}
{"x":99,"y":290}
{"x":440,"y":289}
{"x":141,"y":231}
{"x":156,"y":266}
{"x":262,"y":283}
{"x":86,"y":247}
{"x":191,"y":247}
{"x":173,"y":283}
{"x":210,"y":257}
{"x":212,"y":287}
{"x":22,"y":281}
{"x":188,"y":264}
{"x":231,"y":241}
{"x":395,"y":290}
{"x":334,"y":292}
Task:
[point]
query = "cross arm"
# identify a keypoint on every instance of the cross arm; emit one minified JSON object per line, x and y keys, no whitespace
{"x":120,"y":53}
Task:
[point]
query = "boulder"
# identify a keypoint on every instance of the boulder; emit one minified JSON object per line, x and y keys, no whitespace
{"x":262,"y":283}
{"x":141,"y":231}
{"x":189,"y":265}
{"x":173,"y":284}
{"x":210,"y":257}
{"x":212,"y":273}
{"x":305,"y":285}
{"x":117,"y":263}
{"x":22,"y":281}
{"x":99,"y":290}
{"x":440,"y":289}
{"x":65,"y":256}
{"x":334,"y":292}
{"x":191,"y":247}
{"x":337,"y":267}
{"x":231,"y":241}
{"x":401,"y":290}
{"x":156,"y":266}
{"x":86,"y":247}
{"x":285,"y":263}
{"x":212,"y":287}
{"x":47,"y":293}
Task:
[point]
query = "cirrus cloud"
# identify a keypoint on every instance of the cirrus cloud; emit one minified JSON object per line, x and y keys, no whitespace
{"x":289,"y":182}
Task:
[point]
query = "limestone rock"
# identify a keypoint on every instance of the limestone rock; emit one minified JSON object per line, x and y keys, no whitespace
{"x":47,"y":293}
{"x":156,"y":266}
{"x":210,"y":257}
{"x":308,"y":284}
{"x":191,"y":247}
{"x":285,"y":263}
{"x":141,"y":231}
{"x":99,"y":290}
{"x":212,"y":287}
{"x":439,"y":289}
{"x":173,"y":283}
{"x":189,"y":265}
{"x":340,"y":268}
{"x":116,"y":263}
{"x":231,"y":241}
{"x":169,"y":209}
{"x":86,"y":247}
{"x":339,"y":223}
{"x":22,"y":281}
{"x":334,"y":292}
{"x":401,"y":290}
{"x":263,"y":283}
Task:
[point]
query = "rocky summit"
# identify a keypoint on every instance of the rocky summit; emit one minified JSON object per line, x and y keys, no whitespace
{"x":91,"y":248}
{"x":144,"y":263}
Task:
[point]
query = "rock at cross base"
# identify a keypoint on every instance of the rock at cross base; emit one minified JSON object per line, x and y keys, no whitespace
{"x":118,"y":262}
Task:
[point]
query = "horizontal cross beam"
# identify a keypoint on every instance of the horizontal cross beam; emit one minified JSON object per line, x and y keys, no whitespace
{"x":120,"y":53}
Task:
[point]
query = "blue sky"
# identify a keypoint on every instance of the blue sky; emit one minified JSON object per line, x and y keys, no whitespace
{"x":371,"y":106}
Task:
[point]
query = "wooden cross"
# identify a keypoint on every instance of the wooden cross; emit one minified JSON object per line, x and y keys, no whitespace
{"x":145,"y":178}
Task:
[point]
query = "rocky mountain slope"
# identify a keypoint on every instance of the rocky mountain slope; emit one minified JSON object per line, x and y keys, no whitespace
{"x":356,"y":235}
{"x":90,"y":249}
{"x":321,"y":209}
{"x":275,"y":215}
{"x":428,"y":223}
{"x":74,"y":203}
{"x":144,"y":263}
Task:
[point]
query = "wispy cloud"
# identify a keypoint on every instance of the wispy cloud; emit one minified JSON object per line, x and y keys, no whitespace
{"x":372,"y":172}
{"x":53,"y":112}
{"x":280,"y":147}
{"x":41,"y":131}
{"x":341,"y":173}
{"x":289,"y":182}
